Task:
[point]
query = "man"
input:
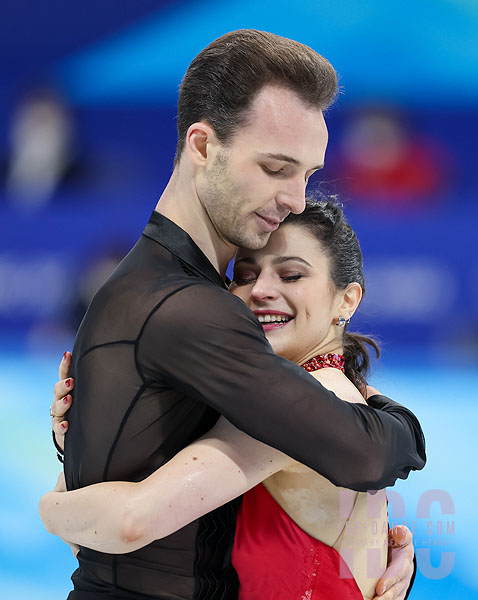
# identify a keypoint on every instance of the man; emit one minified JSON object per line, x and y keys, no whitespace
{"x":163,"y":348}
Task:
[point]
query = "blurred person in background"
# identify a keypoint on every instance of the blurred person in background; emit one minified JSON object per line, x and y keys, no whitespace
{"x":384,"y":164}
{"x":164,"y":349}
{"x":304,"y":287}
{"x":45,"y":157}
{"x":42,"y":148}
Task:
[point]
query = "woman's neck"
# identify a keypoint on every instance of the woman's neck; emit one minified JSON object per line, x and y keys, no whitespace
{"x":331,"y":347}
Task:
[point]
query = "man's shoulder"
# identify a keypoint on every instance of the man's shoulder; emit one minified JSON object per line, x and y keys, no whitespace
{"x":200,"y":296}
{"x":191,"y":306}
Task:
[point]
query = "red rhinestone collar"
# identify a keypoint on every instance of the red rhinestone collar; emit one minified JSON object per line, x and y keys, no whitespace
{"x":337,"y":361}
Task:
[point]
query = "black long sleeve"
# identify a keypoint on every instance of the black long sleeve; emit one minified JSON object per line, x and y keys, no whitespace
{"x":206,"y":343}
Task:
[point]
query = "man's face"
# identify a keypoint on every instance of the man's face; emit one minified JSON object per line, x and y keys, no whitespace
{"x":254,"y":182}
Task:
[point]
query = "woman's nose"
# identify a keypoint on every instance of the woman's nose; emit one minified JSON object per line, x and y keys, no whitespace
{"x":264,"y":289}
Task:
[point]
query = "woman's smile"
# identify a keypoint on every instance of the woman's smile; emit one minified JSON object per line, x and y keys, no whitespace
{"x":273,"y":319}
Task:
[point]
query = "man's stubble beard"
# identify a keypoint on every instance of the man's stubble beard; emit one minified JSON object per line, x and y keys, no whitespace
{"x":221,"y":206}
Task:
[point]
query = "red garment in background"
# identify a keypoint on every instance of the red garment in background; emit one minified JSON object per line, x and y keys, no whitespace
{"x":276,"y":560}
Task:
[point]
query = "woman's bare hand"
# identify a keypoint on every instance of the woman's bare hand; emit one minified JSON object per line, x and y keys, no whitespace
{"x":62,"y":400}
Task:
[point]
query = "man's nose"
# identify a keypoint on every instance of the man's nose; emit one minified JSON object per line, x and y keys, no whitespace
{"x":292,"y":195}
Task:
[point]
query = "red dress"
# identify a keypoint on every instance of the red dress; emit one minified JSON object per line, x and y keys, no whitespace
{"x":276,"y":560}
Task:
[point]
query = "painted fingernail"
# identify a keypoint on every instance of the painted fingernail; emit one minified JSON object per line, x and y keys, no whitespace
{"x":65,"y":353}
{"x":66,"y":399}
{"x":63,"y":427}
{"x":67,"y":383}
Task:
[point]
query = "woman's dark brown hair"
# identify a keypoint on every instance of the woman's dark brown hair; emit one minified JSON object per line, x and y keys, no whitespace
{"x":326,"y":221}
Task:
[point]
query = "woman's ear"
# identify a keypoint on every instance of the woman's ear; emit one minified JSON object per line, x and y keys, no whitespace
{"x":351,"y":298}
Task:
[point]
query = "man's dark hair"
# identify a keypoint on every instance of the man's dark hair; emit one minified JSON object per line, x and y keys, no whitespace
{"x":326,"y":221}
{"x":223,"y":79}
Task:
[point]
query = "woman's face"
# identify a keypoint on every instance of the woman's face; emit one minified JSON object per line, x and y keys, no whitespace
{"x":288,"y":286}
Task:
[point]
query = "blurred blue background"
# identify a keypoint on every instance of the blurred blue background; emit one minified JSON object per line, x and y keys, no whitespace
{"x":87,"y":137}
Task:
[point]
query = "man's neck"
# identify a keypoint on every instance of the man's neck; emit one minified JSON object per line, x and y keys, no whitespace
{"x":180,"y":204}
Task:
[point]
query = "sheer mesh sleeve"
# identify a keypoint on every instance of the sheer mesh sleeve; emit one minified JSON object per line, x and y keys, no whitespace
{"x":206,"y":343}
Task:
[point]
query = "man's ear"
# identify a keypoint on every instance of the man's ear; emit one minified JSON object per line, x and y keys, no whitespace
{"x":199,"y":139}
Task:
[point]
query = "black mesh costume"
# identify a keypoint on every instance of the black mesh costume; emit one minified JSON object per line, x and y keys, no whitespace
{"x":162,"y":350}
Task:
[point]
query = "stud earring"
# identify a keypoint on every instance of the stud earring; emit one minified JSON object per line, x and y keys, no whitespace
{"x":342,"y":322}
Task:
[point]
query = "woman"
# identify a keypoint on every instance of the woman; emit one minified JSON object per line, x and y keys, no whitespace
{"x":298,"y":536}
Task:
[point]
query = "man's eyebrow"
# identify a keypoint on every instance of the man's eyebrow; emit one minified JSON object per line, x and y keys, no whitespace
{"x":289,"y":159}
{"x":278,"y":260}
